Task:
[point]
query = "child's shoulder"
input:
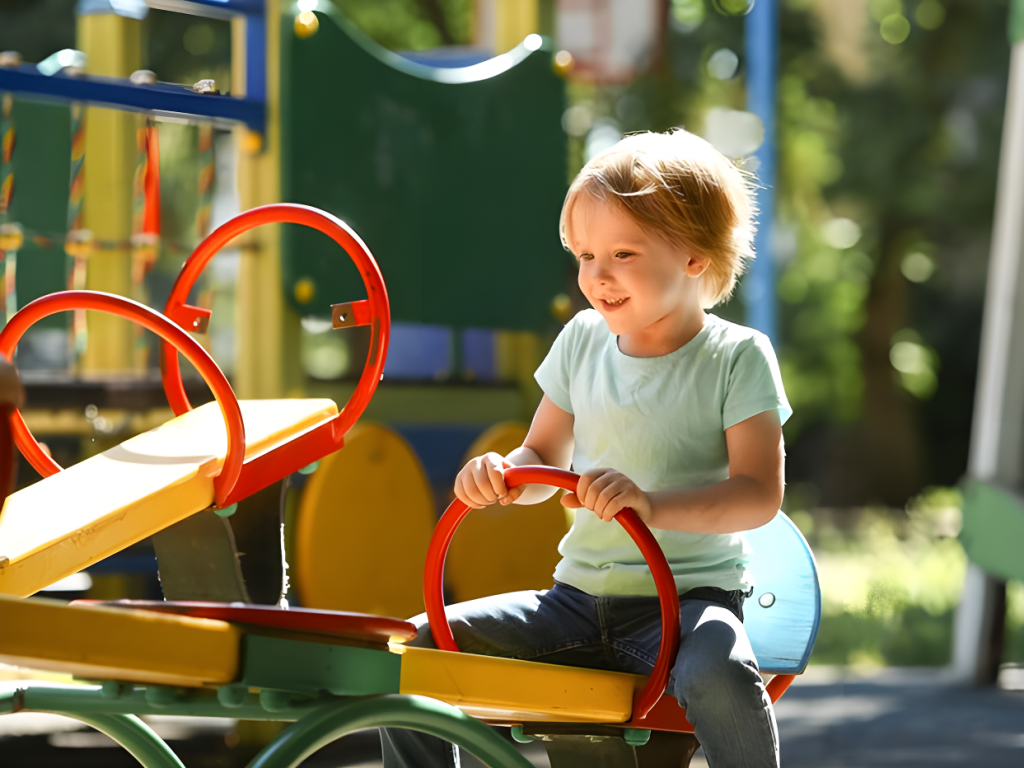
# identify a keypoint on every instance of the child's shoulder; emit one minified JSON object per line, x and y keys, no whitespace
{"x":726,"y":335}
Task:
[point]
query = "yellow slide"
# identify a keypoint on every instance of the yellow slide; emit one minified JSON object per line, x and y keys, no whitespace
{"x":68,"y":521}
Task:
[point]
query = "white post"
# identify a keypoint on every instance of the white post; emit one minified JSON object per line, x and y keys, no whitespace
{"x":997,"y":435}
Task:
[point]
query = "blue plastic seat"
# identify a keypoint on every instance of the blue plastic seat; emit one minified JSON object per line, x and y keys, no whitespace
{"x":782,"y":617}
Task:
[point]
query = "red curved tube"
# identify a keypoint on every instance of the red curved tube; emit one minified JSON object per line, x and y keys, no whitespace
{"x":286,"y":213}
{"x":668,"y":596}
{"x":162,"y":327}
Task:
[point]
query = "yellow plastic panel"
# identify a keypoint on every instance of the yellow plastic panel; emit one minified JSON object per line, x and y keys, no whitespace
{"x":111,"y":643}
{"x":508,"y":690}
{"x":99,"y":506}
{"x":363,"y":527}
{"x":505,"y":549}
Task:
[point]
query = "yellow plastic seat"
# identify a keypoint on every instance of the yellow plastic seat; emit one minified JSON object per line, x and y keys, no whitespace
{"x":69,"y":521}
{"x":112,"y":643}
{"x":510,"y":691}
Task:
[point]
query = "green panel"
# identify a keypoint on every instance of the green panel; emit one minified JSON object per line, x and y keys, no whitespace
{"x":294,"y":665}
{"x":42,"y":168}
{"x":453,"y":178}
{"x":993,"y":529}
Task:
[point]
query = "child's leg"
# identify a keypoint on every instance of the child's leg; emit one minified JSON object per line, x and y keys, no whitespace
{"x":558,"y":626}
{"x":717,"y":680}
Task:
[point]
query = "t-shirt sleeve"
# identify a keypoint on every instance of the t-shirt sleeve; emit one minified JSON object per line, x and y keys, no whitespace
{"x":554,"y":372}
{"x":755,"y":384}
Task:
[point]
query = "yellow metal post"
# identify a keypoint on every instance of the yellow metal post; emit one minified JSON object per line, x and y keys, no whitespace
{"x":114,"y":46}
{"x":260,"y":310}
{"x":502,"y":24}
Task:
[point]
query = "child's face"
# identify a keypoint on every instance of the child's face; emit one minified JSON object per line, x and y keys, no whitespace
{"x":642,"y":284}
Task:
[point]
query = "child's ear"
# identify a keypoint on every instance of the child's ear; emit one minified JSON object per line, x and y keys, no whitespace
{"x":696,"y":265}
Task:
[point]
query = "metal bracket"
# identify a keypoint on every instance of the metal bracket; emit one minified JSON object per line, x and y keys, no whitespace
{"x":350,"y":314}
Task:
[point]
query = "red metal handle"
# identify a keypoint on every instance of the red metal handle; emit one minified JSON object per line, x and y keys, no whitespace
{"x":162,"y":327}
{"x":668,"y":596}
{"x":378,"y":316}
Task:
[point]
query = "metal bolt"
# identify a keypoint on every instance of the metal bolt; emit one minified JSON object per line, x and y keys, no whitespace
{"x":143,"y":77}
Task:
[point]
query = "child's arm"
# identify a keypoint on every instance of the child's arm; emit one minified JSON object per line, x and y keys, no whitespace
{"x":550,"y":442}
{"x":748,"y":499}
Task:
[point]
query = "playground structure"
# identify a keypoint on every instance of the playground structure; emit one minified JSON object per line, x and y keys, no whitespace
{"x":397,"y":144}
{"x":316,"y":667}
{"x":185,"y":486}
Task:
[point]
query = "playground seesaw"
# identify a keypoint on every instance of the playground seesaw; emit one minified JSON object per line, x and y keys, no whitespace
{"x":306,"y":666}
{"x":78,"y":516}
{"x":327,"y":672}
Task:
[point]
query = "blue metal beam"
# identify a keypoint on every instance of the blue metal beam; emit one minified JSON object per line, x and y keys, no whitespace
{"x":214,"y":9}
{"x":762,"y":64}
{"x":160,"y":99}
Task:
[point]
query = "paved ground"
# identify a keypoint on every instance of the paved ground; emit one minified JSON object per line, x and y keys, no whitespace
{"x":828,"y":719}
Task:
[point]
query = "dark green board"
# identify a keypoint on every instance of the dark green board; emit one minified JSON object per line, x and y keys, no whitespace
{"x":42,"y":170}
{"x":453,"y":178}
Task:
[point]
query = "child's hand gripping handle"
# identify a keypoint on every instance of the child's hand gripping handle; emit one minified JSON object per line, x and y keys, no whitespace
{"x":668,"y":597}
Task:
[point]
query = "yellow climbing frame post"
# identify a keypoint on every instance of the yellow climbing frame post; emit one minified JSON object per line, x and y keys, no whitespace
{"x":113,"y":45}
{"x":260,"y":314}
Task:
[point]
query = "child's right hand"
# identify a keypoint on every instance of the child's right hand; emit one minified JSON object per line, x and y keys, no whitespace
{"x":481,"y":482}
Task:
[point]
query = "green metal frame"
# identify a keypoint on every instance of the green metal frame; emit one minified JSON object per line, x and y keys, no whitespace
{"x":112,"y":708}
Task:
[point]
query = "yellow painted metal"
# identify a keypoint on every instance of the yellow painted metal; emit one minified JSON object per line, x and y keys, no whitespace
{"x":514,"y":20}
{"x":111,"y":643}
{"x":511,"y":691}
{"x":363,"y":527}
{"x":99,"y":506}
{"x":518,"y":354}
{"x":504,"y":549}
{"x":263,"y":357}
{"x":114,"y":47}
{"x":72,"y":421}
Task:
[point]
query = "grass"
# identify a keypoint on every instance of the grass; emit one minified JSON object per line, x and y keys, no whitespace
{"x":891,"y":582}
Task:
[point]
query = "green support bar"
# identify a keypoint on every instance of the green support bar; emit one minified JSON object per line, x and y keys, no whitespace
{"x":135,"y":736}
{"x":112,"y":709}
{"x":418,"y":713}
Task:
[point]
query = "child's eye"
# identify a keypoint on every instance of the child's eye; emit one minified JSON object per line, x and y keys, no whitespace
{"x":623,"y":255}
{"x":585,"y":257}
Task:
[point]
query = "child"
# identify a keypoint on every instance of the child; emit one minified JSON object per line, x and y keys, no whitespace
{"x":662,"y":408}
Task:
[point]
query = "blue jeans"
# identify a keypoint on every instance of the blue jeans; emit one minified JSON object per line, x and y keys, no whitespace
{"x":715,"y":676}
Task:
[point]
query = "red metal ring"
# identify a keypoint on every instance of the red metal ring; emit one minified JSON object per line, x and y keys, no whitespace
{"x":668,"y":596}
{"x":337,"y":230}
{"x":152,"y":320}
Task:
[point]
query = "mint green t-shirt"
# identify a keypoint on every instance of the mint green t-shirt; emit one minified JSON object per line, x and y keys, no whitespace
{"x":661,"y":421}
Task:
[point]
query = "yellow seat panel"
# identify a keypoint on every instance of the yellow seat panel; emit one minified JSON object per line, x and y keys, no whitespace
{"x":512,"y":691}
{"x":118,"y":644}
{"x":99,"y":506}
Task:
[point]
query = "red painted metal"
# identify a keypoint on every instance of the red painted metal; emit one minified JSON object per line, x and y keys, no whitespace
{"x":778,"y":685}
{"x":6,"y":453}
{"x":171,"y":334}
{"x":667,"y":715}
{"x":379,"y":314}
{"x":338,"y":624}
{"x":668,"y":596}
{"x":300,"y":451}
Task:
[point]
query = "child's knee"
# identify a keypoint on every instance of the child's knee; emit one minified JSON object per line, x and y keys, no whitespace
{"x":718,"y":684}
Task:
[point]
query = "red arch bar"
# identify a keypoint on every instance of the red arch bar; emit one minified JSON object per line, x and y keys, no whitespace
{"x":668,"y":596}
{"x":171,"y":333}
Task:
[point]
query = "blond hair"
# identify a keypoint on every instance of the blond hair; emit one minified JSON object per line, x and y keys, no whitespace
{"x":680,"y":188}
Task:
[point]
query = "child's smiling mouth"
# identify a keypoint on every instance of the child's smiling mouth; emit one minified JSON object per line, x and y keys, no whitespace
{"x":613,"y":304}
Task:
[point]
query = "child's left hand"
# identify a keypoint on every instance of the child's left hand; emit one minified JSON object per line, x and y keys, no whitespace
{"x":605,"y":492}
